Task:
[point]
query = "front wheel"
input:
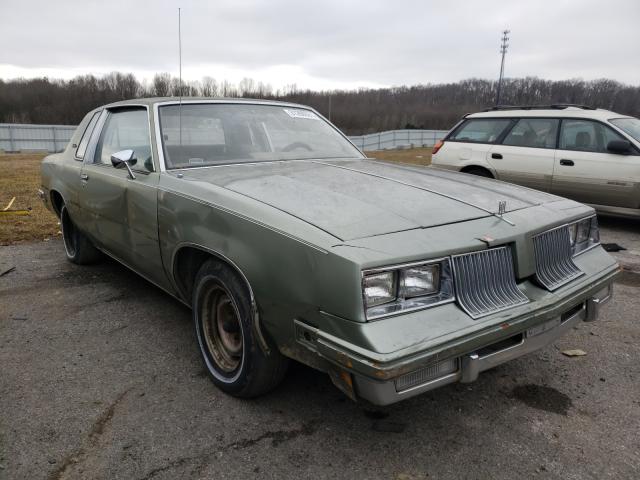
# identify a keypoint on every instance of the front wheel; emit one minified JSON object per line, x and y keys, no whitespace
{"x":222,"y":314}
{"x":77,"y":246}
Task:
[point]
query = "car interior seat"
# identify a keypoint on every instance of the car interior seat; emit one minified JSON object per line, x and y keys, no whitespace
{"x":583,"y":140}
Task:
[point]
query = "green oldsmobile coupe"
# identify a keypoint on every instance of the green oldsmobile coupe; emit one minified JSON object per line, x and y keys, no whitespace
{"x":287,"y":243}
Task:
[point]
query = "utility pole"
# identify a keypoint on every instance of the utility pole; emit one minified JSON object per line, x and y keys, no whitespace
{"x":504,"y":45}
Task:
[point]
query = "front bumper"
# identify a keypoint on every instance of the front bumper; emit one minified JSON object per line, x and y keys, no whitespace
{"x":382,"y":380}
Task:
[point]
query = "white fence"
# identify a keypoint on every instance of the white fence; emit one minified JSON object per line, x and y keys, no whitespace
{"x":15,"y":137}
{"x":398,"y":139}
{"x":54,"y":138}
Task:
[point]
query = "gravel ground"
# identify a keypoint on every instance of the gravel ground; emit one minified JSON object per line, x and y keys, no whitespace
{"x":101,"y":378}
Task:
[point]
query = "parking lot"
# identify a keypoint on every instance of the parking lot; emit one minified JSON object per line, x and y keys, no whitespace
{"x":101,"y":378}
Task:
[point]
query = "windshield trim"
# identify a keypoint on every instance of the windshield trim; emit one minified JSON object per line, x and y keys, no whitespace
{"x":158,"y":133}
{"x":261,"y":162}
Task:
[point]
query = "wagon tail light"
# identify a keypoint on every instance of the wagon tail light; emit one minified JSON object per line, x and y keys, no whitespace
{"x":437,"y":147}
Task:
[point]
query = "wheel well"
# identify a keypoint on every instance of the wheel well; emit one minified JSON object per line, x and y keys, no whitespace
{"x":57,"y":202}
{"x":188,"y":261}
{"x":471,"y":168}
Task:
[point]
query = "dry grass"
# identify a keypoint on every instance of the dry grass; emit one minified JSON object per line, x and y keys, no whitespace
{"x":20,"y":178}
{"x":414,"y":156}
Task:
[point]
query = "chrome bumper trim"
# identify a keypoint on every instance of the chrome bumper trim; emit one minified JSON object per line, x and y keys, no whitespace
{"x":471,"y":364}
{"x":595,"y":303}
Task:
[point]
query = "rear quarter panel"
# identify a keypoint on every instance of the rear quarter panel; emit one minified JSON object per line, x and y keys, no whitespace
{"x":60,"y":172}
{"x":457,"y":155}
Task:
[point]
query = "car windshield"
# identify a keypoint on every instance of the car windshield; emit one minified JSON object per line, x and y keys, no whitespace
{"x":205,"y":134}
{"x":630,"y":126}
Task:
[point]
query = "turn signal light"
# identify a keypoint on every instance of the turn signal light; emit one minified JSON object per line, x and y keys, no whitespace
{"x":437,"y":147}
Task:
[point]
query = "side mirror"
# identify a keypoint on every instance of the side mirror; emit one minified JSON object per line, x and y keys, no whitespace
{"x":124,"y":159}
{"x":619,"y":146}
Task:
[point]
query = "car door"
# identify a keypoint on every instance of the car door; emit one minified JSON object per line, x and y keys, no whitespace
{"x":120,"y":212}
{"x":526,"y":154}
{"x":585,"y":171}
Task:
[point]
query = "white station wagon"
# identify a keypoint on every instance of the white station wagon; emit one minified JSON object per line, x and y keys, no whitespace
{"x":586,"y":154}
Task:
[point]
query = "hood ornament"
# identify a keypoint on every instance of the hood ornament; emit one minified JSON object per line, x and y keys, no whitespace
{"x":502,"y":209}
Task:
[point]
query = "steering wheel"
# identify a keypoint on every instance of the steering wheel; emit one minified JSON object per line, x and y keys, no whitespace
{"x":296,"y":145}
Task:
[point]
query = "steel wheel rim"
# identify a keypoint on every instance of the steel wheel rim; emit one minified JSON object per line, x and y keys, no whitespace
{"x":222,"y":330}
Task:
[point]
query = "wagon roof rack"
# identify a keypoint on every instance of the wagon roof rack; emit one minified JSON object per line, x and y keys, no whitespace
{"x":555,"y":106}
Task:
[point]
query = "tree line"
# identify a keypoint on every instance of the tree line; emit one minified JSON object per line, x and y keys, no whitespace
{"x":431,"y":106}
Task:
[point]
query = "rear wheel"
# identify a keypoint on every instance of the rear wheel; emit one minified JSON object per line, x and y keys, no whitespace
{"x":479,"y":171}
{"x":222,"y":314}
{"x":77,"y":246}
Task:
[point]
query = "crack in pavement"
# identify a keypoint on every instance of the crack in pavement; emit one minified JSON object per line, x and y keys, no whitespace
{"x":277,"y":437}
{"x":97,"y":429}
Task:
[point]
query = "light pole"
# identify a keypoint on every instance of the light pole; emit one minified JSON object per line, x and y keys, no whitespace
{"x":503,"y":50}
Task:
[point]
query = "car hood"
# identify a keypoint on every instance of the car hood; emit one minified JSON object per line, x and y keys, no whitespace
{"x":360,"y":198}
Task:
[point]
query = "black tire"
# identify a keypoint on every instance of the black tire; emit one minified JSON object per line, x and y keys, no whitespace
{"x":479,"y":171}
{"x":222,"y":316}
{"x":77,"y":246}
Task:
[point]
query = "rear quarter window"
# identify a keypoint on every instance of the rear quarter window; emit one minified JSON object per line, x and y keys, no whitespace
{"x":481,"y":130}
{"x":84,"y":141}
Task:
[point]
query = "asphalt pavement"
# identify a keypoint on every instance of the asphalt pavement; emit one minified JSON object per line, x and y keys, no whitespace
{"x":100,"y":377}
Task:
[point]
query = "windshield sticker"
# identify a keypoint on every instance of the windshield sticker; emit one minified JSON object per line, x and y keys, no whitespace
{"x":299,"y":113}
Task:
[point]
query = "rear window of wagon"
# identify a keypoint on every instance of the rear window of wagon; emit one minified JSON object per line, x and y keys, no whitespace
{"x":480,"y":130}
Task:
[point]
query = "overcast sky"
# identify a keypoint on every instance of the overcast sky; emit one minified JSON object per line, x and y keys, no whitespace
{"x":325,"y":44}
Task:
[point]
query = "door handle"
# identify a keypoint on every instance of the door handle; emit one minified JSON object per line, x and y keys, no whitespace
{"x":567,"y":163}
{"x":84,"y":177}
{"x":497,"y":156}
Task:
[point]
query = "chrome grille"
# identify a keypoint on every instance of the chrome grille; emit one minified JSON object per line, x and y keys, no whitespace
{"x":486,"y":283}
{"x":554,"y":262}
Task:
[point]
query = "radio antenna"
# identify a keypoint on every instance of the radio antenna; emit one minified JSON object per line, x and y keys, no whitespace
{"x":180,"y":74}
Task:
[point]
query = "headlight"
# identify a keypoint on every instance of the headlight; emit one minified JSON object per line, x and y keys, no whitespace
{"x":583,"y":235}
{"x":379,"y":288}
{"x":403,"y":288}
{"x":419,"y":281}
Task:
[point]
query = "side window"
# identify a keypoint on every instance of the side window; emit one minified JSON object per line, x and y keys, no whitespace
{"x":481,"y":130}
{"x":84,"y":141}
{"x":533,"y":132}
{"x":126,"y":129}
{"x":586,"y":136}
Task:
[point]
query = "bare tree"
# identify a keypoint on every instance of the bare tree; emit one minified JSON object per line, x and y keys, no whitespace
{"x":161,"y":85}
{"x":42,"y":100}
